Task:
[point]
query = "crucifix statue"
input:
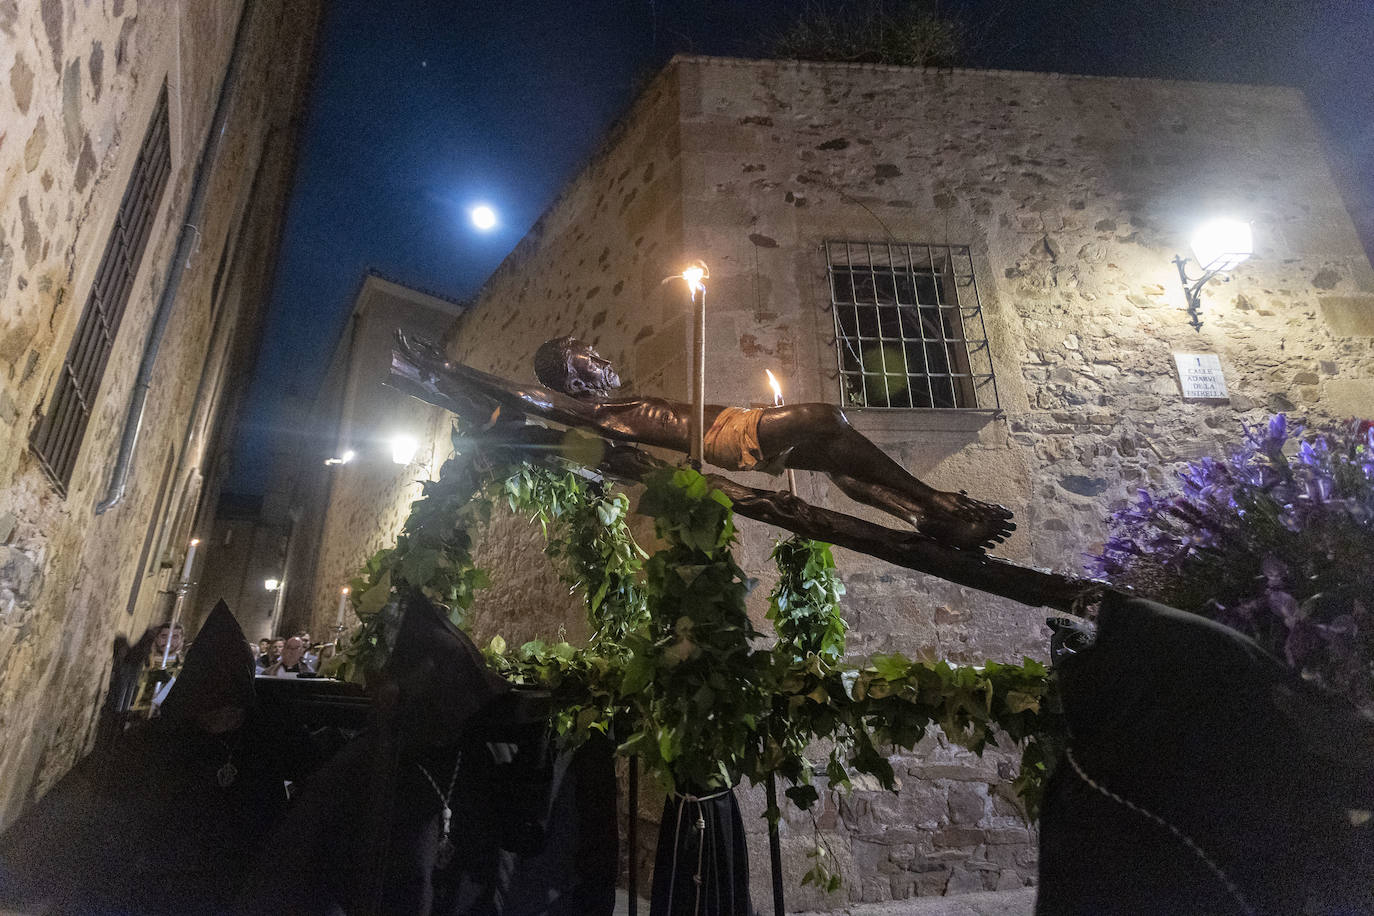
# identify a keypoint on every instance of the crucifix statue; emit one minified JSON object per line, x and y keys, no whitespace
{"x":579,"y":390}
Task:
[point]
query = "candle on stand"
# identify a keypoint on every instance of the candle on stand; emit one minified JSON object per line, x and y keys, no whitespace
{"x":190,"y":560}
{"x":182,"y":587}
{"x":778,"y":402}
{"x":343,"y":607}
{"x":694,"y":275}
{"x":171,"y":633}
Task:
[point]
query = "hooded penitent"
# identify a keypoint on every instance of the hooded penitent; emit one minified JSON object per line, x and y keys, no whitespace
{"x":367,"y":834}
{"x":1203,"y":777}
{"x":217,"y":674}
{"x":165,"y":820}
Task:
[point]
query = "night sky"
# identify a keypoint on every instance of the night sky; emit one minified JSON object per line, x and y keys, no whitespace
{"x":422,"y":109}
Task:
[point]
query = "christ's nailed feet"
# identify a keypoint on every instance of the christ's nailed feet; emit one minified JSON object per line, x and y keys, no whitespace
{"x":960,"y":521}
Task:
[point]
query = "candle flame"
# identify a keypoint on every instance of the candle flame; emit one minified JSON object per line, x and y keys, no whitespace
{"x":777,"y":389}
{"x":694,"y":274}
{"x":195,"y":541}
{"x":345,"y":589}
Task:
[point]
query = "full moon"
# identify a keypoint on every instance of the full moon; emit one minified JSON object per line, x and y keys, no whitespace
{"x":483,"y":217}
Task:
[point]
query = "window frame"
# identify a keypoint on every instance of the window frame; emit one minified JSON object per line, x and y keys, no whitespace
{"x":59,"y":436}
{"x":920,"y":300}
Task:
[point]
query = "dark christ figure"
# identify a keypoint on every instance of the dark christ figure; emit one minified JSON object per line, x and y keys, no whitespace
{"x":807,"y":437}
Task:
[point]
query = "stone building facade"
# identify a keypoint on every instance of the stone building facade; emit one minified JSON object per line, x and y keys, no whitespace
{"x":344,"y":512}
{"x":248,"y":549}
{"x":105,"y":109}
{"x":1050,"y":208}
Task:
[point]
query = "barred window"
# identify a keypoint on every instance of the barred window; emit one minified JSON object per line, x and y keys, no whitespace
{"x":57,"y":439}
{"x":909,"y":329}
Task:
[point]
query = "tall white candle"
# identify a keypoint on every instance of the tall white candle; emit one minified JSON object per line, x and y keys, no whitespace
{"x":343,"y":606}
{"x":190,"y":560}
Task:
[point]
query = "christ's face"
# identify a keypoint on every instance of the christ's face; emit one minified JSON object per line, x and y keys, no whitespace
{"x":590,"y":375}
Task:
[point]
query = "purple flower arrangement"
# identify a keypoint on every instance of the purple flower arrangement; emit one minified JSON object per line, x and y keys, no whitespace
{"x":1277,"y":541}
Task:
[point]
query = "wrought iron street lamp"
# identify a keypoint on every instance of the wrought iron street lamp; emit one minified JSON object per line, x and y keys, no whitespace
{"x":1219,"y":245}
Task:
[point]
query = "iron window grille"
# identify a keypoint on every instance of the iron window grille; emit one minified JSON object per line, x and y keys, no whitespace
{"x":909,"y":330}
{"x":58,"y":437}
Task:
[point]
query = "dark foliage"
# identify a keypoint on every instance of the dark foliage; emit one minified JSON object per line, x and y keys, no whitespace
{"x":1276,"y":540}
{"x":908,"y":34}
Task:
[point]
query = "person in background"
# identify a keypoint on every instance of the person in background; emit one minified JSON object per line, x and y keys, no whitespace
{"x":291,"y":663}
{"x":165,"y":634}
{"x":312,"y":651}
{"x":155,"y":675}
{"x":264,"y":653}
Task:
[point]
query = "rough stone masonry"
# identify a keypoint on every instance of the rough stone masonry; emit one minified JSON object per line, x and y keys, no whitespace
{"x":1073,"y":195}
{"x":78,"y":85}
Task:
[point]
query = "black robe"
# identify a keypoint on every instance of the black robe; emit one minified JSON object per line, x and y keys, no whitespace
{"x":1206,"y":737}
{"x":534,"y":827}
{"x":152,"y":823}
{"x":522,"y":849}
{"x":701,"y":839}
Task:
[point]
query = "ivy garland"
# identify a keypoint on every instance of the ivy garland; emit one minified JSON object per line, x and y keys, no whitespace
{"x":672,"y":671}
{"x":590,"y":544}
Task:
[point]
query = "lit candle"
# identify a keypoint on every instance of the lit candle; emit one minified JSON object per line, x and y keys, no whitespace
{"x":343,"y":607}
{"x":694,"y":275}
{"x":190,"y":560}
{"x":778,"y":402}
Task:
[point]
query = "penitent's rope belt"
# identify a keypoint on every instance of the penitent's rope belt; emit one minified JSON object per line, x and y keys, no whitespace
{"x":1178,"y":834}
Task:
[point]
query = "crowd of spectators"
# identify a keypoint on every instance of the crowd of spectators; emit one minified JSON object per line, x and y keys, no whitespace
{"x":291,"y":656}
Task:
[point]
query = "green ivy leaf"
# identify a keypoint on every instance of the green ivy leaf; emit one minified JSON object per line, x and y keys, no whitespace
{"x":803,"y":796}
{"x":376,"y":597}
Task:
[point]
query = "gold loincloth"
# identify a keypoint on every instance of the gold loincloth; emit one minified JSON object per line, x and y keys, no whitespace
{"x":732,"y":442}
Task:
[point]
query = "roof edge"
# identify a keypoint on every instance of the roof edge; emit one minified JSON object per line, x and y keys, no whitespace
{"x":743,"y":62}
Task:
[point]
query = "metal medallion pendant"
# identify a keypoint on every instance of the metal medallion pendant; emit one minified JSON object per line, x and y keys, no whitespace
{"x":226,"y":774}
{"x":443,"y":858}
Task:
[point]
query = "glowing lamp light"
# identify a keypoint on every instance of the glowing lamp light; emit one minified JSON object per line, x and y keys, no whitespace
{"x":346,"y":457}
{"x":1222,"y":244}
{"x":483,"y":217}
{"x":403,"y":448}
{"x":1219,"y":246}
{"x":272,"y":584}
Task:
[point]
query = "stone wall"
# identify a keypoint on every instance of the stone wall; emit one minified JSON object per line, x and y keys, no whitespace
{"x":357,"y":508}
{"x":1073,"y":195}
{"x":247,"y":552}
{"x":78,"y":83}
